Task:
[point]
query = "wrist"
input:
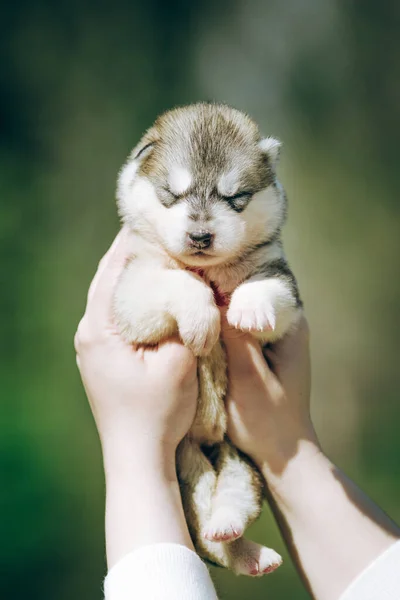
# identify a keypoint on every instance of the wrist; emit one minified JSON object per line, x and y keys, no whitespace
{"x":287,"y":473}
{"x":138,"y":458}
{"x":296,"y":439}
{"x":143,"y":501}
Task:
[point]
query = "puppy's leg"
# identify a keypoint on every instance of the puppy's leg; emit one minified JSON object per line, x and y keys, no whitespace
{"x":238,"y":496}
{"x":267,"y":304}
{"x":198,"y":480}
{"x":209,"y":425}
{"x":152,"y":302}
{"x":249,"y":558}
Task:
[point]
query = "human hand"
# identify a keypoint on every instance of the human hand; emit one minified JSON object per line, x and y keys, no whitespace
{"x":332,"y":529}
{"x":268,"y":405}
{"x":144,"y":402}
{"x":142,"y":399}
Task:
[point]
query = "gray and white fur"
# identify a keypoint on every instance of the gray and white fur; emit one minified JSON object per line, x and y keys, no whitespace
{"x":201,"y":197}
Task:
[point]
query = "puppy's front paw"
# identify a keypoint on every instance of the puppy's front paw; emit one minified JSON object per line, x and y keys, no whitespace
{"x":199,"y":322}
{"x":250,"y":311}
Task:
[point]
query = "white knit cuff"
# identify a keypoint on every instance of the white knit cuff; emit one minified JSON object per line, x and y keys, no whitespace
{"x":379,"y":581}
{"x":160,"y":572}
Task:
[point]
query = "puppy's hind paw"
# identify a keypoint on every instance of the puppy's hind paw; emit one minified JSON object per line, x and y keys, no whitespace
{"x":224,"y":526}
{"x":253,"y":559}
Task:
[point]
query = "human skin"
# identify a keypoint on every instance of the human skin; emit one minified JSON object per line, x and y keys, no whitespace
{"x":143,"y":402}
{"x":333,"y":530}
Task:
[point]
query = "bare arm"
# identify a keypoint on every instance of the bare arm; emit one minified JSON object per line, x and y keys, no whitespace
{"x":333,"y":530}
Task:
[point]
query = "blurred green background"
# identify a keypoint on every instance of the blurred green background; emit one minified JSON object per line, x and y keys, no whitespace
{"x":79,"y":83}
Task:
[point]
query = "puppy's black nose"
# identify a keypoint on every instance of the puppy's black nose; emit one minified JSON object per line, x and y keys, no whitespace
{"x":200,"y":239}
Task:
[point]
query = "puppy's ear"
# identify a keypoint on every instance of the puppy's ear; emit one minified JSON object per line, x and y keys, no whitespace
{"x":140,"y":153}
{"x":130,"y":168}
{"x":271,"y":147}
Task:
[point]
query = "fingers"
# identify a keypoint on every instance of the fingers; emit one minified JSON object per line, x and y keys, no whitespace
{"x":176,"y":358}
{"x":100,"y":296}
{"x":244,"y":352}
{"x":292,"y":349}
{"x":245,"y":355}
{"x":102,"y":265}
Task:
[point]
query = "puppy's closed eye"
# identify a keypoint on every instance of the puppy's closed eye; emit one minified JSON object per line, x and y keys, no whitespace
{"x":239,"y":201}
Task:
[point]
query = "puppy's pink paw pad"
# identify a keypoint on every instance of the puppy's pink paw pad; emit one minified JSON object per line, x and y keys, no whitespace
{"x":270,"y":569}
{"x":253,"y":559}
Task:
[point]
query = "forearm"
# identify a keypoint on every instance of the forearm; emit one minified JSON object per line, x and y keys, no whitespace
{"x":332,"y":529}
{"x":143,"y":502}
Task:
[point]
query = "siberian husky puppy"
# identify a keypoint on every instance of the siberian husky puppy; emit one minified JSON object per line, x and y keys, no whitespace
{"x":201,"y":197}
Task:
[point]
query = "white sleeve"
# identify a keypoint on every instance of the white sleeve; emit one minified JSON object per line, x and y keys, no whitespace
{"x":379,"y":581}
{"x":160,"y":572}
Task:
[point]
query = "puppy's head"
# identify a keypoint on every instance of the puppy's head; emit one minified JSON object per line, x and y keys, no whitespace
{"x":202,"y":183}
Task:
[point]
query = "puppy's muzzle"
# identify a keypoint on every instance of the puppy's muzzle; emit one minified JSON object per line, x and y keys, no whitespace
{"x":200,"y":239}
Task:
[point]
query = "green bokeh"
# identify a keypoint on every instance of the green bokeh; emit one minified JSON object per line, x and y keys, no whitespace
{"x":79,"y":83}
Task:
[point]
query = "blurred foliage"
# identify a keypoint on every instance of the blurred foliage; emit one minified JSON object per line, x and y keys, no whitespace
{"x":79,"y":82}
